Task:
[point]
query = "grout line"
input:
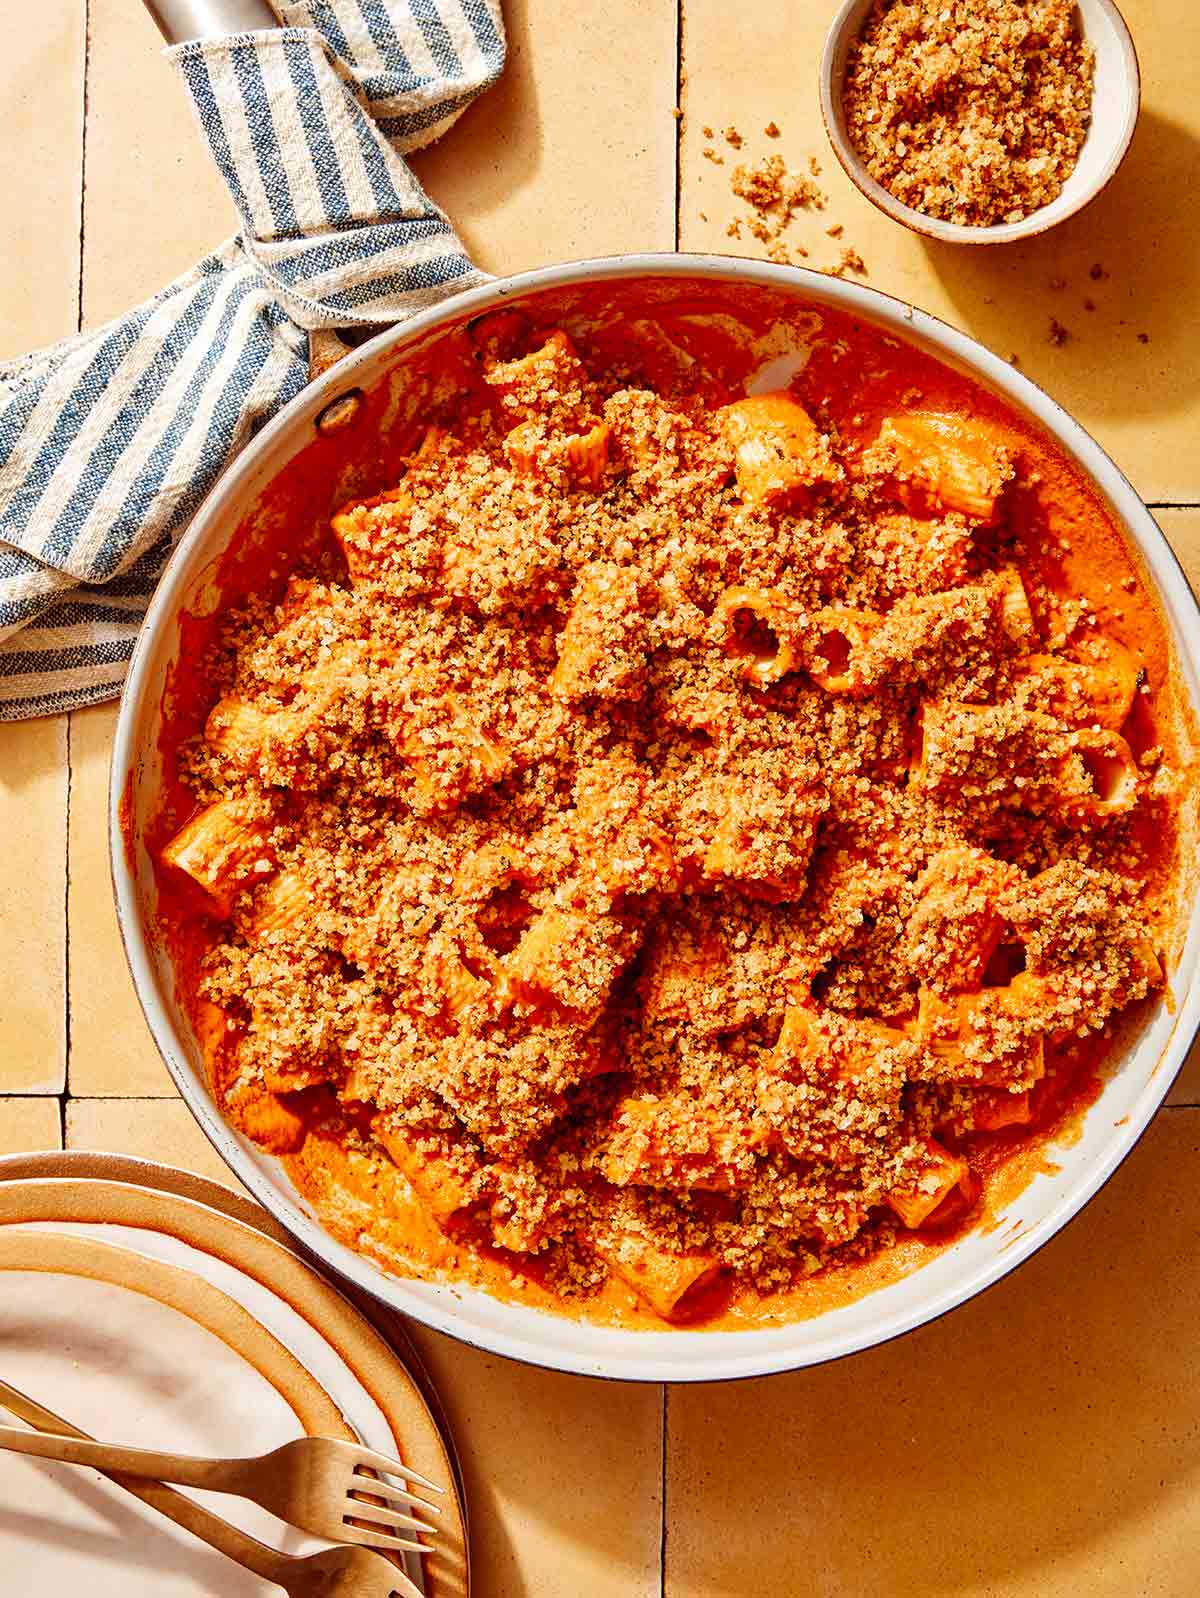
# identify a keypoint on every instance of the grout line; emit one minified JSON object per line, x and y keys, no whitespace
{"x":1172,"y":504}
{"x":66,"y":1091}
{"x":87,"y":63}
{"x":83,"y":144}
{"x":102,"y":1098}
{"x":114,"y":1098}
{"x":678,"y":120}
{"x":662,"y":1495}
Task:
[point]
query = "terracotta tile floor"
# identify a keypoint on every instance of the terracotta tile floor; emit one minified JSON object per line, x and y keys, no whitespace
{"x":1045,"y":1439}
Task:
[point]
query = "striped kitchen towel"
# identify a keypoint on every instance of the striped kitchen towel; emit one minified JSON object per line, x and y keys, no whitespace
{"x":110,"y":440}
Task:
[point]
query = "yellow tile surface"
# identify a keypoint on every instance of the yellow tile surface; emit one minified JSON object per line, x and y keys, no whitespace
{"x":563,"y":1475}
{"x":155,"y":203}
{"x":1187,"y":1086}
{"x":1182,"y":528}
{"x":41,"y":90}
{"x":153,"y":1129}
{"x":1041,"y":1442}
{"x":33,"y":803}
{"x":1142,"y":401}
{"x":28,"y":1124}
{"x":111,"y":1048}
{"x":572,"y":153}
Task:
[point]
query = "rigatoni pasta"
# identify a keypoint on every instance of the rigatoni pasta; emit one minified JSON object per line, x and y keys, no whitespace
{"x":672,"y":846}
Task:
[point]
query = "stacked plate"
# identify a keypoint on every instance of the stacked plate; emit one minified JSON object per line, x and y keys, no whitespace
{"x":154,"y":1308}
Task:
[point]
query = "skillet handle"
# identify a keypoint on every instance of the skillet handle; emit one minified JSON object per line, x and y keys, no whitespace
{"x":326,"y":346}
{"x":180,"y":21}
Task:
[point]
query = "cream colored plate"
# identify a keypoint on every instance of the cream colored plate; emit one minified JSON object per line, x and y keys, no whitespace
{"x":150,"y":1306}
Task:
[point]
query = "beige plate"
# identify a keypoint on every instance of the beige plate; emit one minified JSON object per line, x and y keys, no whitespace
{"x":181,"y":1316}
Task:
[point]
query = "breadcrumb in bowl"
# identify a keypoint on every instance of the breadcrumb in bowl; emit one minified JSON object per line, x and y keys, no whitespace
{"x":958,"y":158}
{"x":777,"y":314}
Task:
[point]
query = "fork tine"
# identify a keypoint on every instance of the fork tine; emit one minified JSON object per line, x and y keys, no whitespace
{"x":370,"y":1460}
{"x":404,"y":1589}
{"x":389,"y":1517}
{"x":384,"y":1489}
{"x":372,"y":1539}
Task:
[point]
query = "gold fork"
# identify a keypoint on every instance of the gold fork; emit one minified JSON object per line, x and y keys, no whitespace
{"x":345,"y":1572}
{"x":311,"y":1483}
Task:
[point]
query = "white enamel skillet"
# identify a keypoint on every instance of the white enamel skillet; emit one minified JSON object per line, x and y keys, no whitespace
{"x":392,"y":365}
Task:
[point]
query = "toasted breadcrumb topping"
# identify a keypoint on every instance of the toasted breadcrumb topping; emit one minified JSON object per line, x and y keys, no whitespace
{"x":669,"y":827}
{"x":972,"y":111}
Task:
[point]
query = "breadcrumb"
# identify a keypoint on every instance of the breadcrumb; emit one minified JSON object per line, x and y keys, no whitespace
{"x":643,"y":796}
{"x":972,"y":111}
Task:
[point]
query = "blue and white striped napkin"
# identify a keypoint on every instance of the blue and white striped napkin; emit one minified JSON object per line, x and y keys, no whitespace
{"x":110,"y":440}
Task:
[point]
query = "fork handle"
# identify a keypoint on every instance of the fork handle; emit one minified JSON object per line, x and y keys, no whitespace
{"x":182,"y":1469}
{"x":229,"y":1540}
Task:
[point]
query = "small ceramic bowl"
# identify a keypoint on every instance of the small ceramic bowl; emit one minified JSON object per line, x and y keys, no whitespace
{"x":1116,"y":97}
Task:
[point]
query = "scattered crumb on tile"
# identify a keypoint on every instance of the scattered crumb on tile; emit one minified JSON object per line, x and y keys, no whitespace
{"x":1143,"y":338}
{"x":775,"y":195}
{"x":1089,"y":305}
{"x":1058,"y":333}
{"x":1097,"y":272}
{"x":848,"y":261}
{"x":707,"y":132}
{"x":1057,"y":283}
{"x":772,"y":191}
{"x":710,"y":154}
